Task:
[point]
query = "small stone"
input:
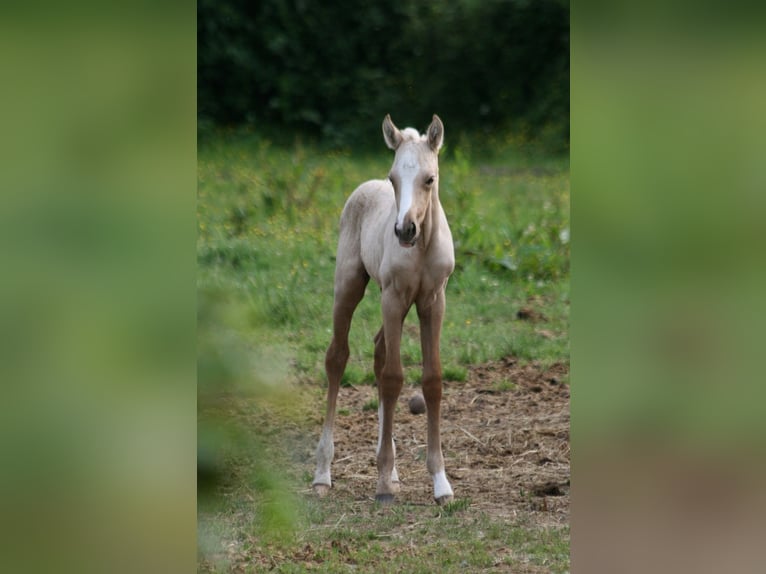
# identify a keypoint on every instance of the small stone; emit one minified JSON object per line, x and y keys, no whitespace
{"x":417,"y":404}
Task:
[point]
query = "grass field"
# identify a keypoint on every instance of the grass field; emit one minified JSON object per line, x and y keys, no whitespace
{"x":267,"y":232}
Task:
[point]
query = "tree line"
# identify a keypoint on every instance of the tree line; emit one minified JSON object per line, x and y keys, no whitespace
{"x":326,"y":68}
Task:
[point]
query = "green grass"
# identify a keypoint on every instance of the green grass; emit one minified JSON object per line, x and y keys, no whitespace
{"x":504,"y":385}
{"x":371,"y":405}
{"x":339,"y":536}
{"x":267,"y":234}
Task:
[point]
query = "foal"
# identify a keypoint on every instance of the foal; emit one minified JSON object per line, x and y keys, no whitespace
{"x":395,"y":231}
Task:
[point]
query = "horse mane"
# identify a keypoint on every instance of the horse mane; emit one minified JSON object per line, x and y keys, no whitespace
{"x":411,"y":134}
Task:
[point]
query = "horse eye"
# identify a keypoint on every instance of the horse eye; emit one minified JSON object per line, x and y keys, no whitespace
{"x":430,"y":180}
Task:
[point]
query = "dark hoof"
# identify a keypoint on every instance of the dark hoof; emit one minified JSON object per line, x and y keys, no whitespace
{"x":442,"y":500}
{"x":384,"y":499}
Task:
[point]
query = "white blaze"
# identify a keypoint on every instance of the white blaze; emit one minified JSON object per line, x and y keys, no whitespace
{"x":405,"y":202}
{"x":407,"y":170}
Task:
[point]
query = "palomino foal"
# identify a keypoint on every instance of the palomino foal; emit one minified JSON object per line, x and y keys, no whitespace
{"x":395,"y":231}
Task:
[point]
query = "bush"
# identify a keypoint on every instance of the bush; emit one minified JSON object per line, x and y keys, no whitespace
{"x":326,"y":68}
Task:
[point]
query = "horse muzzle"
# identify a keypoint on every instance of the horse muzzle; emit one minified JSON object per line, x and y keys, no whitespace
{"x":407,"y":234}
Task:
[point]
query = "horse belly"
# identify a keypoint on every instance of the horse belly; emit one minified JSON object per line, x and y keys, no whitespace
{"x":372,"y":249}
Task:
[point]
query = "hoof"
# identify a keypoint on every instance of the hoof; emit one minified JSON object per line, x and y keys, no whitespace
{"x":442,"y":500}
{"x":321,"y":490}
{"x":384,"y":499}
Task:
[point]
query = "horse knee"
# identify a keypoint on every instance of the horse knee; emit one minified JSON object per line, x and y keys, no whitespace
{"x":391,"y":385}
{"x":336,"y":357}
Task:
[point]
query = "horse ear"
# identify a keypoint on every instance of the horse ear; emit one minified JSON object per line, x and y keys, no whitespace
{"x":391,"y":133}
{"x":436,"y":134}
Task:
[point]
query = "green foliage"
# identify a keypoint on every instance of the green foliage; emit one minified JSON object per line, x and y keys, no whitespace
{"x":326,"y":68}
{"x":237,"y":367}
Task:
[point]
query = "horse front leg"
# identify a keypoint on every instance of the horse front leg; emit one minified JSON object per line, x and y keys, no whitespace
{"x":431,"y":315}
{"x":349,"y":290}
{"x":380,"y":361}
{"x":390,"y":383}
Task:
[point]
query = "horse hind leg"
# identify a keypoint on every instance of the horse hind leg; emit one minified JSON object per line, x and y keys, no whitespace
{"x":349,"y":290}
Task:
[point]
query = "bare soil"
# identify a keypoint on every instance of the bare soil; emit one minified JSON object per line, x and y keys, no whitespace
{"x":505,"y":436}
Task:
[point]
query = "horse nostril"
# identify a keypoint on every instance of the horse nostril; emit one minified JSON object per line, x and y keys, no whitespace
{"x":406,"y":233}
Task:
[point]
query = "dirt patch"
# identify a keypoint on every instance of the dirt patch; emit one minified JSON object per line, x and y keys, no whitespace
{"x":505,"y":436}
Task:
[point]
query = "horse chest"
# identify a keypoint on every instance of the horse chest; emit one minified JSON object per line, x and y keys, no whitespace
{"x":415,"y":280}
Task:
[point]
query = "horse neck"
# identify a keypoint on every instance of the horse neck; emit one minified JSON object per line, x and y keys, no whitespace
{"x":432,"y":219}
